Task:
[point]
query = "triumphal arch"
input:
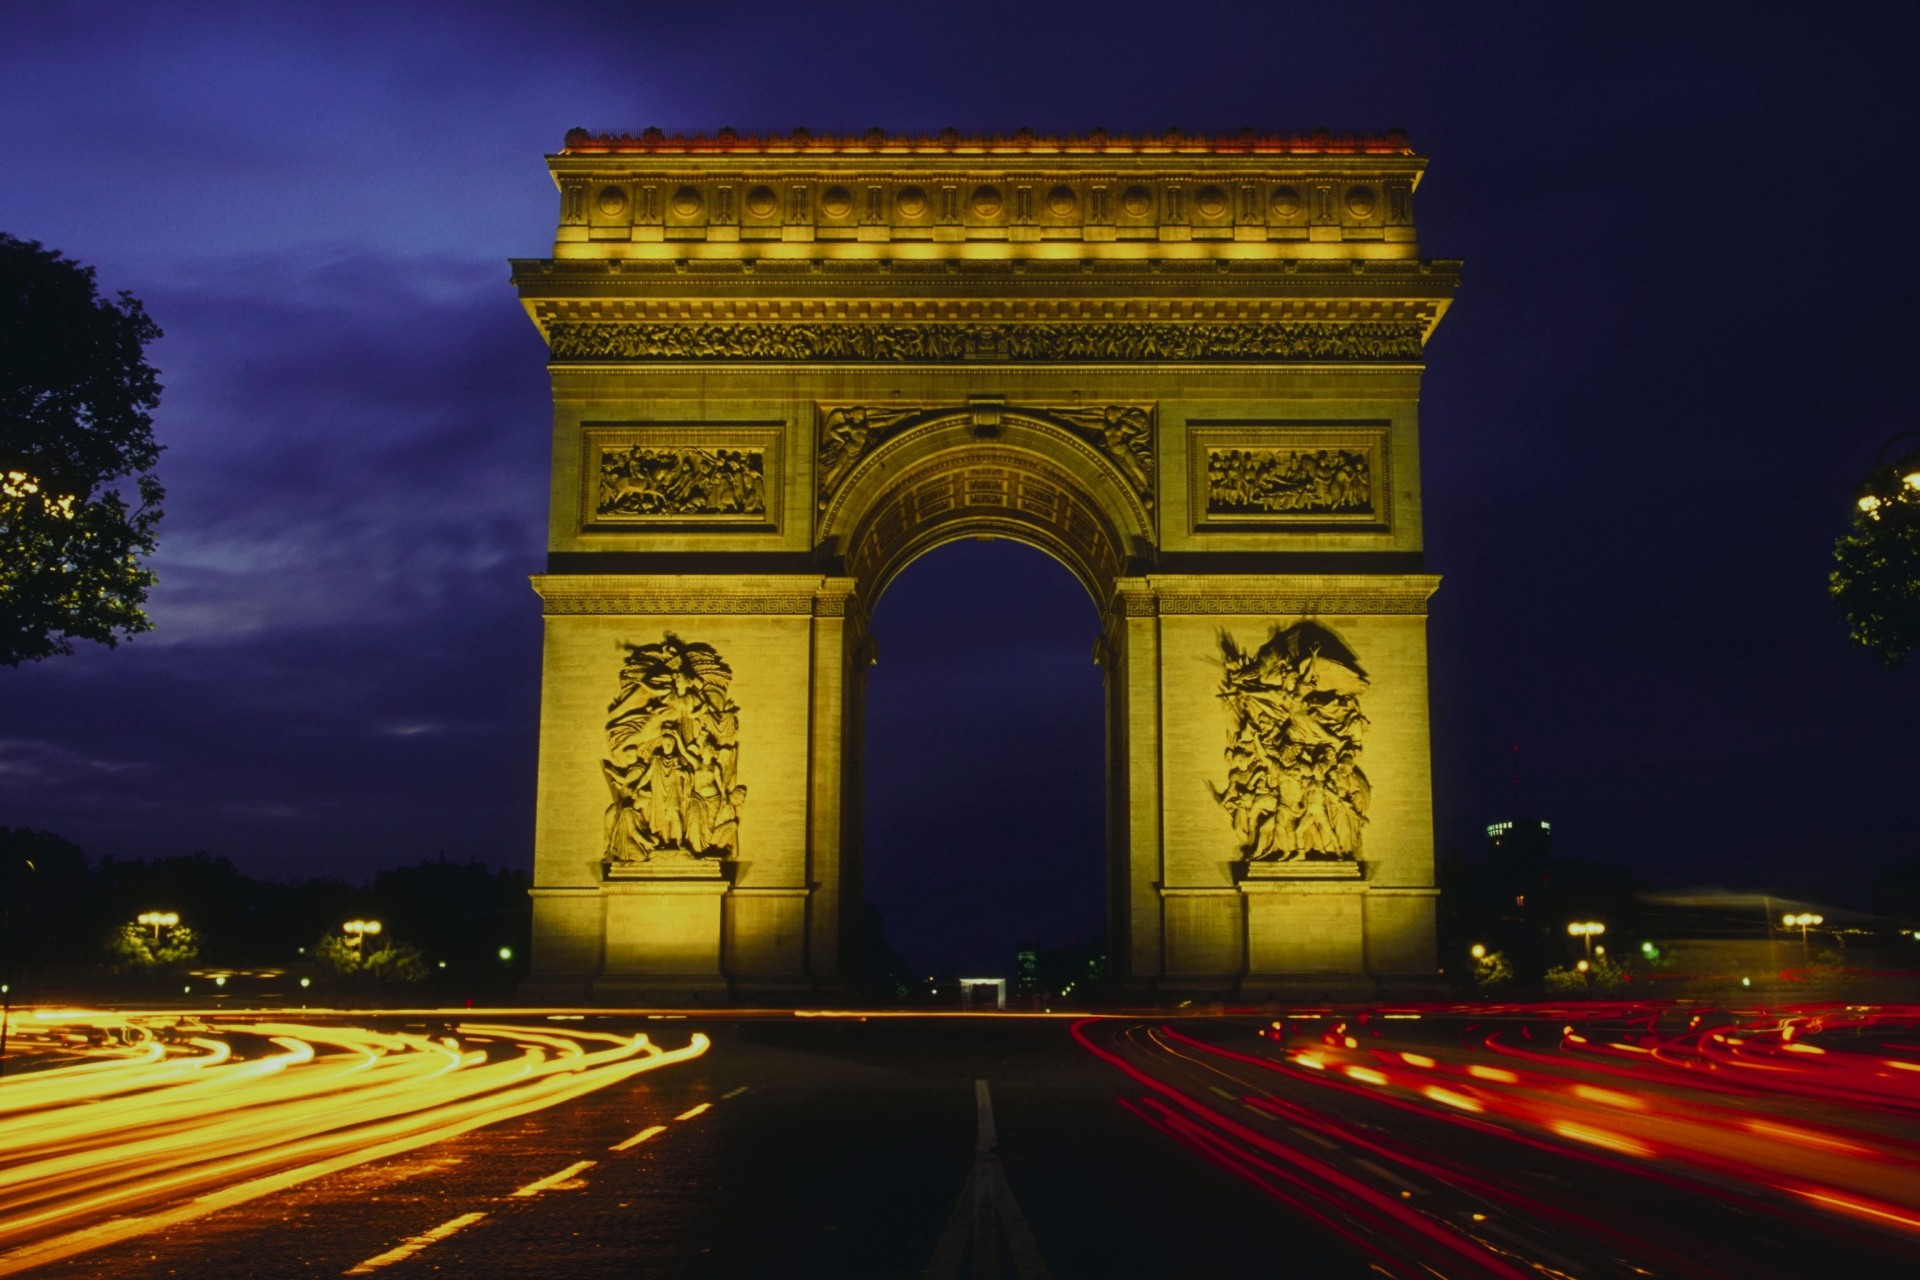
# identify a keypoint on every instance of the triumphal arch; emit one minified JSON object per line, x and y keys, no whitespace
{"x":1188,"y":368}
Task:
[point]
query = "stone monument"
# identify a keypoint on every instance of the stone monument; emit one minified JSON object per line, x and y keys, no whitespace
{"x":1188,"y":368}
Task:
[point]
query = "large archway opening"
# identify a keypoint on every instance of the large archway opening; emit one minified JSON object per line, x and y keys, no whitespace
{"x":984,"y":824}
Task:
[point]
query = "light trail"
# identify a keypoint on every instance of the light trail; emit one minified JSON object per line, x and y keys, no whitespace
{"x":1601,"y":1135}
{"x":158,"y":1127}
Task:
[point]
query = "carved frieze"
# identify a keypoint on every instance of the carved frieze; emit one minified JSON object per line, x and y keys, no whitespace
{"x":1294,"y":789}
{"x":673,"y":743}
{"x":1301,"y":481}
{"x":636,"y":475}
{"x":684,"y":481}
{"x":1268,"y":475}
{"x":934,"y":343}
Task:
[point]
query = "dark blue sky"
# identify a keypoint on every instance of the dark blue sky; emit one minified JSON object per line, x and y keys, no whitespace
{"x":1686,"y":329}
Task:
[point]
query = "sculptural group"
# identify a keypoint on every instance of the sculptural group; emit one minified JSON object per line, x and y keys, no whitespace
{"x":1302,"y":481}
{"x":673,"y":740}
{"x":642,"y":481}
{"x":1294,"y":785}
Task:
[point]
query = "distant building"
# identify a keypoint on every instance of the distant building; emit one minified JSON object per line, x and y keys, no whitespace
{"x":1520,"y":843}
{"x":1026,"y":970}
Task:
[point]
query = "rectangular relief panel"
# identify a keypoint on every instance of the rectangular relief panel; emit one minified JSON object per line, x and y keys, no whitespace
{"x":1256,"y":476}
{"x":675,"y":476}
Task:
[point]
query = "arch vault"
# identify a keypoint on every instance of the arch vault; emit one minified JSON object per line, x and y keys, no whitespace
{"x":783,"y":368}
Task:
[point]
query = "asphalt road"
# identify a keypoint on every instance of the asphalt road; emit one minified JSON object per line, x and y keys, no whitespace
{"x":1198,"y":1147}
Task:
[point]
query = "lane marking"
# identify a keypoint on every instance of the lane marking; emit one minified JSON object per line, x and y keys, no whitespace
{"x":735,"y":1093}
{"x":638,"y":1138}
{"x":414,"y":1244}
{"x":691,"y":1113}
{"x":986,"y":1201}
{"x":555,"y":1179}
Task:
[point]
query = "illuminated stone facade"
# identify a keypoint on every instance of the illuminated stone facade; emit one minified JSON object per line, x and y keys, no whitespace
{"x":1187,"y":368}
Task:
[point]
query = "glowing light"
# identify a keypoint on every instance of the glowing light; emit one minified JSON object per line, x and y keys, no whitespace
{"x":1478,"y":951}
{"x":1789,"y":1134}
{"x":1609,"y":1097}
{"x":1599,"y":1138}
{"x":1499,"y":1075}
{"x":1879,"y":1212}
{"x":694,"y":1111}
{"x":1447,"y":1097}
{"x":1351,"y":1043}
{"x":1416,"y":1059}
{"x":1311,"y":1061}
{"x":1366,"y":1075}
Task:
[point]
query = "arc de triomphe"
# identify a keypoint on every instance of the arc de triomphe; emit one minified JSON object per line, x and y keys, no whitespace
{"x":1188,"y":368}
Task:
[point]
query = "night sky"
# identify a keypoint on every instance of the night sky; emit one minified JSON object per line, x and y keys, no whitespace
{"x":1686,"y":329}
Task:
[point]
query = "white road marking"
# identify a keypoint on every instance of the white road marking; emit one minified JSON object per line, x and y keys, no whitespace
{"x":986,"y":1200}
{"x":555,"y":1179}
{"x":414,"y":1244}
{"x":638,"y":1138}
{"x":692,"y":1112}
{"x":735,"y":1093}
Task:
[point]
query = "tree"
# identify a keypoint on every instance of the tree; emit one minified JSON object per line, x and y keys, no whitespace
{"x":137,"y":949}
{"x":75,"y":396}
{"x":349,"y":959}
{"x":1876,"y":576}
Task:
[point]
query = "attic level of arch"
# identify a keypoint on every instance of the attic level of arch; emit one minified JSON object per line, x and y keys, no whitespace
{"x":1362,"y":204}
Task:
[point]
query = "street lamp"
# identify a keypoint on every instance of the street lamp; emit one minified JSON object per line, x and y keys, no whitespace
{"x":158,"y":920}
{"x":1587,"y":931}
{"x":1803,"y":921}
{"x":358,"y":931}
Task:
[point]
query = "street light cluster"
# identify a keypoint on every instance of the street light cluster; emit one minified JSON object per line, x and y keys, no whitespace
{"x":158,"y":920}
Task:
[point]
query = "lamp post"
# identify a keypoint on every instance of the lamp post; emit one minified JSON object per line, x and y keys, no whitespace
{"x":1802,"y":921}
{"x":358,"y":931}
{"x":1587,"y":931}
{"x":158,"y":920}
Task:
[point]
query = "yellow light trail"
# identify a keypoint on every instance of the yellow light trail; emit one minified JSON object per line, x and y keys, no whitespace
{"x":135,"y":1138}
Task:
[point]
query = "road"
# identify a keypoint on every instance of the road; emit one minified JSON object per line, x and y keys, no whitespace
{"x":1630,"y":1142}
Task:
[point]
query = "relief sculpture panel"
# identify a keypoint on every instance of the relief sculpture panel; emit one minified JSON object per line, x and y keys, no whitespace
{"x":641,"y":475}
{"x":1294,"y":788}
{"x":673,"y":742}
{"x":1277,"y":475}
{"x":637,"y":481}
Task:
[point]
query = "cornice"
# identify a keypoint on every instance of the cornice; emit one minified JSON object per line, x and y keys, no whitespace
{"x":878,"y":142}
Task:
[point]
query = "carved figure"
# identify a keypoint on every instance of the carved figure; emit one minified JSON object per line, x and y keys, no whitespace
{"x":643,"y":481}
{"x":846,"y":435}
{"x":1124,"y":433}
{"x":1294,"y":786}
{"x":672,"y":742}
{"x":1295,"y":481}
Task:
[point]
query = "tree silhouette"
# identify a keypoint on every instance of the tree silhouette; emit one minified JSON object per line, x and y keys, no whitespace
{"x":75,"y":396}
